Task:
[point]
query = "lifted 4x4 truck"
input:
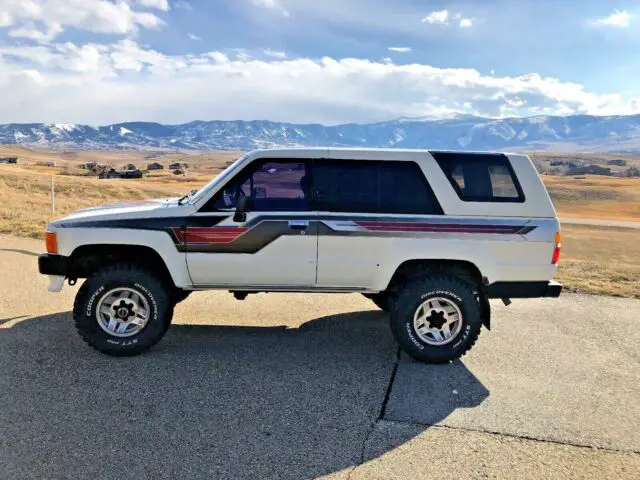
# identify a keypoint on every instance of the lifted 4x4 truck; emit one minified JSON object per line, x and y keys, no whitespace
{"x":428,"y":236}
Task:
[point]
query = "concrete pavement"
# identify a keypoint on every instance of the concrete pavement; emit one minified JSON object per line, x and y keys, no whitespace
{"x":304,"y":386}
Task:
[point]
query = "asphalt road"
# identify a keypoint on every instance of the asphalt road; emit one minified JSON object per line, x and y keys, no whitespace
{"x":600,"y":222}
{"x":304,"y":386}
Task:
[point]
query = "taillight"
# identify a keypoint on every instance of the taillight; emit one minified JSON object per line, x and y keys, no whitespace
{"x":556,"y":250}
{"x":51,"y":242}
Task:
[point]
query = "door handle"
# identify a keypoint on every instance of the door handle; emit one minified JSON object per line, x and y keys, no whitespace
{"x":298,"y":224}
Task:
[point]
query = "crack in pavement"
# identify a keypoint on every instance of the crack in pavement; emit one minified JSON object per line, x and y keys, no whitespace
{"x":520,"y":437}
{"x":381,"y":413}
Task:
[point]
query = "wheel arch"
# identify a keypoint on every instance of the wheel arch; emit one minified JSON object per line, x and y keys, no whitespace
{"x":86,"y":259}
{"x":466,"y":270}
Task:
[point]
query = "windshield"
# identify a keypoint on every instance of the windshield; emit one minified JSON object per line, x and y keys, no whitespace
{"x":222,"y":177}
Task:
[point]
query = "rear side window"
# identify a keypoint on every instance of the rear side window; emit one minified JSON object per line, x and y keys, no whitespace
{"x":480,"y":177}
{"x":372,"y":187}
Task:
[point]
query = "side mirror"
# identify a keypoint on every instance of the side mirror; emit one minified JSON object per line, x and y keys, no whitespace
{"x":243,"y":205}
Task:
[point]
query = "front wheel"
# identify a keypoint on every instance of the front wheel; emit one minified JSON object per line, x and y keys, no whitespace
{"x":122,"y":310}
{"x":436,"y":319}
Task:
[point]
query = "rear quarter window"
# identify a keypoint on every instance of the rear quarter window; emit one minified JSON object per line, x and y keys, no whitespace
{"x":480,"y":177}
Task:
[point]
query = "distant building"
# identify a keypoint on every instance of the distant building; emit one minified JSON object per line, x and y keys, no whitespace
{"x":155,"y":166}
{"x":618,"y":162}
{"x":8,"y":159}
{"x":111,"y":173}
{"x":131,"y":174}
{"x":589,"y":170}
{"x":178,"y":166}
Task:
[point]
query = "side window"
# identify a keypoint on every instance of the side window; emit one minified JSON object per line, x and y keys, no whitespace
{"x":272,"y":186}
{"x":372,"y":187}
{"x":480,"y":177}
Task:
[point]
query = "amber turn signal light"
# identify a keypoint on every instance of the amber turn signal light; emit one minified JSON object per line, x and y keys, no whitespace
{"x":51,"y":242}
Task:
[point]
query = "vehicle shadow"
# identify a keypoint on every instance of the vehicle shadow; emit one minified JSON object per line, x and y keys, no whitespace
{"x":207,"y":402}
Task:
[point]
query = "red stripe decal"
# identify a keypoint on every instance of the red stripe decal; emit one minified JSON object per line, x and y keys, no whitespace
{"x":436,"y":227}
{"x":209,"y":234}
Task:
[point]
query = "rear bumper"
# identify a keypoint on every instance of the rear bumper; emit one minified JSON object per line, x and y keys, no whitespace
{"x":57,"y":265}
{"x":524,"y":289}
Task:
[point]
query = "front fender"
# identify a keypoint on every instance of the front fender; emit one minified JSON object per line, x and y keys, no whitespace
{"x":69,"y":239}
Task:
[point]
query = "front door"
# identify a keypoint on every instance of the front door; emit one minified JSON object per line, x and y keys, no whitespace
{"x":274,"y":246}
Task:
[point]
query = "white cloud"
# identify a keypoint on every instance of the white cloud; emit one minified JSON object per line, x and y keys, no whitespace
{"x":241,"y":54}
{"x":41,"y":83}
{"x":620,"y":19}
{"x":272,"y":5}
{"x":6,"y":20}
{"x":399,"y":49}
{"x":440,"y":17}
{"x":194,"y":37}
{"x":183,"y":5}
{"x":466,"y":23}
{"x":99,"y":16}
{"x":218,"y":57}
{"x":274,"y":53}
{"x":29,"y":30}
{"x":159,"y":4}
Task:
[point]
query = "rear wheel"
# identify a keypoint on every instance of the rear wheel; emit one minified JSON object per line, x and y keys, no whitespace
{"x":123,"y":310}
{"x":436,"y":319}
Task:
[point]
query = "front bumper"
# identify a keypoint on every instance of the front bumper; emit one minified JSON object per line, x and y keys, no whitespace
{"x":524,"y":289}
{"x":57,"y":265}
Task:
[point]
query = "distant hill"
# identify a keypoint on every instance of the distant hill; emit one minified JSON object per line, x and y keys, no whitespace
{"x":573,"y":133}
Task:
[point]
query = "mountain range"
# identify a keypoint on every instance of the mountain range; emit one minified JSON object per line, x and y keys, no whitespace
{"x":570,"y":133}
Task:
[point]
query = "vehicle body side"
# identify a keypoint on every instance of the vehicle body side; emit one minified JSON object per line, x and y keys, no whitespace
{"x":339,"y":251}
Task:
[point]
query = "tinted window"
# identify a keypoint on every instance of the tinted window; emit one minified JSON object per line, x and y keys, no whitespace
{"x":272,"y":186}
{"x":372,"y":187}
{"x":478,"y":177}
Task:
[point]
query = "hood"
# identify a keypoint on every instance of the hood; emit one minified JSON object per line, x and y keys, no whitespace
{"x":157,"y":202}
{"x":126,"y":210}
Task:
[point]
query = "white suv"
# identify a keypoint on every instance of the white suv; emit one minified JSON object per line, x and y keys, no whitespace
{"x":428,"y":236}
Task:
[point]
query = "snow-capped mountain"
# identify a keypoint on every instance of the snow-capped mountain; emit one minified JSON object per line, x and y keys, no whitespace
{"x":578,"y":132}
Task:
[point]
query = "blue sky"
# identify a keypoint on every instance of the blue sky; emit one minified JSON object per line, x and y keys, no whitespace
{"x":329,"y":61}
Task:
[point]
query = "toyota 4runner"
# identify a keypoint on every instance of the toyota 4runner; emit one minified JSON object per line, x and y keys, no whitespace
{"x":428,"y":236}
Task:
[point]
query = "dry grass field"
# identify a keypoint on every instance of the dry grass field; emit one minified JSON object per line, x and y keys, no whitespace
{"x":595,"y":197}
{"x":600,"y":260}
{"x":594,"y":259}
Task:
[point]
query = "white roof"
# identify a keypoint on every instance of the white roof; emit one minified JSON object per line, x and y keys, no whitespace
{"x":347,"y":153}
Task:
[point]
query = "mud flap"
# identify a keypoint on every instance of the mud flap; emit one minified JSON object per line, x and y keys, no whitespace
{"x":485,"y":310}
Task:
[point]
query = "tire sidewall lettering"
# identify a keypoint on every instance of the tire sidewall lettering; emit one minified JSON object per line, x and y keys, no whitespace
{"x":148,"y":294}
{"x":90,"y":303}
{"x":413,"y":339}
